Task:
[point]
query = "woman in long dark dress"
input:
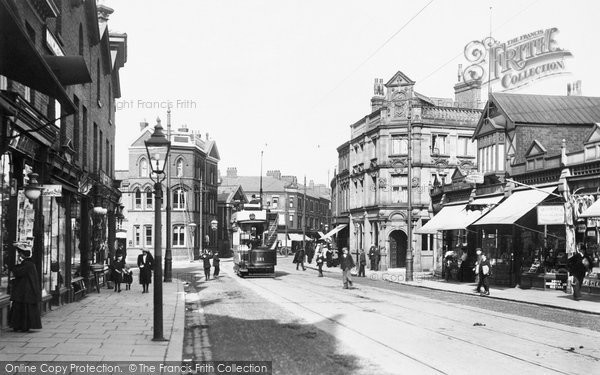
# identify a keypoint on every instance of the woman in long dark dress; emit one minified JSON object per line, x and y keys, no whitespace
{"x":25,"y":294}
{"x":117,"y":272}
{"x":145,"y":263}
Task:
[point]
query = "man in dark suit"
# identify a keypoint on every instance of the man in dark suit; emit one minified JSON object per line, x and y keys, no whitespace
{"x":145,"y":263}
{"x":346,"y":263}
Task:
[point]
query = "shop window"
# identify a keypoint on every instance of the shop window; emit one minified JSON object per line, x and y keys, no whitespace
{"x":275,"y":201}
{"x":53,"y":261}
{"x":178,"y":235}
{"x":4,"y":205}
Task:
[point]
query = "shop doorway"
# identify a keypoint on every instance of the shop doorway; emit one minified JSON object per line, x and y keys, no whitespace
{"x":398,"y":245}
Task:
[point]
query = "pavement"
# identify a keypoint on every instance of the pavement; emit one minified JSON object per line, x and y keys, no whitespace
{"x":589,"y":303}
{"x":105,"y":326}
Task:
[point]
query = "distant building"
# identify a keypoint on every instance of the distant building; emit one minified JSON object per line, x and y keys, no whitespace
{"x":192,"y":184}
{"x":285,"y":196}
{"x":370,"y":188}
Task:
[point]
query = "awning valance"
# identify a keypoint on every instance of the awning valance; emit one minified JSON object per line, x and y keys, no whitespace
{"x":21,"y":61}
{"x":592,"y":211}
{"x":515,"y":206}
{"x":298,"y":237}
{"x":70,"y":70}
{"x":332,"y":232}
{"x":459,"y":216}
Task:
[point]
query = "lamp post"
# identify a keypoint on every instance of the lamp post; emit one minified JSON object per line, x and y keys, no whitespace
{"x":409,"y":251}
{"x":158,"y":147}
{"x":213,"y":226}
{"x":33,"y":190}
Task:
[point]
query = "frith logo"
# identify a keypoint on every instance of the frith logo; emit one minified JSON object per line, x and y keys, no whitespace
{"x":517,"y":62}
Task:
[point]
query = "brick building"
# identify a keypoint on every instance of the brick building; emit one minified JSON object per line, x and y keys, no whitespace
{"x":59,"y":77}
{"x":192,"y":192}
{"x":286,"y":197}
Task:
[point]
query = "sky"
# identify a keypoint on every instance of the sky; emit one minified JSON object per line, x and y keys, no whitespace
{"x":288,"y":77}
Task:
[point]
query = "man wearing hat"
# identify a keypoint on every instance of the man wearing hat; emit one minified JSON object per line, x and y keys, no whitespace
{"x":25,"y":292}
{"x":483,"y":270}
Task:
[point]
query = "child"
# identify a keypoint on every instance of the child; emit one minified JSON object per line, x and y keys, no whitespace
{"x":128,"y":277}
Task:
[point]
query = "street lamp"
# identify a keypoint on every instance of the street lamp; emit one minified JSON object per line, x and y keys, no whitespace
{"x":33,"y":190}
{"x":158,"y":147}
{"x":192,"y":227}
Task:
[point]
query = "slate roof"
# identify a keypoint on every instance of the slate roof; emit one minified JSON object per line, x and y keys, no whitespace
{"x":549,"y":109}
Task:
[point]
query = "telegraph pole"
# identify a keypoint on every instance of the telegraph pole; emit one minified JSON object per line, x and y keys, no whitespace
{"x":168,"y":254}
{"x":409,"y":250}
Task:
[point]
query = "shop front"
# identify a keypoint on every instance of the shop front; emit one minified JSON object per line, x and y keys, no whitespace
{"x":523,"y":248}
{"x":590,"y":216}
{"x":456,"y":252}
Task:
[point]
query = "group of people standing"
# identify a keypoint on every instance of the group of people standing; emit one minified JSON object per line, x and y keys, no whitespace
{"x":216,"y":263}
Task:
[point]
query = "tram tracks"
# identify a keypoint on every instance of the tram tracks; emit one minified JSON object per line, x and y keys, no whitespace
{"x":333,"y":295}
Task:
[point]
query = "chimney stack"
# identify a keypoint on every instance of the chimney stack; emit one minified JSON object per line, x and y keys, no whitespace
{"x":143,"y":124}
{"x":276,"y":174}
{"x":232,"y":172}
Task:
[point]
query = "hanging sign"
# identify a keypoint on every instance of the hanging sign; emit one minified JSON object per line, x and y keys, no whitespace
{"x":551,"y":215}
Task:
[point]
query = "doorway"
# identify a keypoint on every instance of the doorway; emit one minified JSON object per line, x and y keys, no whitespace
{"x":398,"y":245}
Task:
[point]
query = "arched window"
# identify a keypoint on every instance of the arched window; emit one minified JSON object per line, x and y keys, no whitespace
{"x":178,"y":199}
{"x":143,"y":168}
{"x":138,"y":199}
{"x":179,"y":166}
{"x":149,"y":199}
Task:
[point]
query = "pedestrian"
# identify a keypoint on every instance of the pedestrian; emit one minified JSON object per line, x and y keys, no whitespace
{"x":299,"y":259}
{"x":320,"y":259}
{"x":578,"y":265}
{"x":483,"y":269}
{"x":26,"y":293}
{"x":346,"y":263}
{"x":216,"y":264}
{"x":377,"y":257}
{"x":145,"y":263}
{"x":372,"y":257}
{"x":117,"y":269}
{"x":362,"y":262}
{"x":206,"y":262}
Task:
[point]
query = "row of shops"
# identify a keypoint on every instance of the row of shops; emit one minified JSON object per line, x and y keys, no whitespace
{"x":57,"y":196}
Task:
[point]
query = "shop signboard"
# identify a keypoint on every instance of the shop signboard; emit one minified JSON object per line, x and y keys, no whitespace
{"x":52,"y":190}
{"x":551,"y":215}
{"x":474,"y":178}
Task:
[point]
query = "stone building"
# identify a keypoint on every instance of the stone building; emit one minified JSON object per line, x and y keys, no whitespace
{"x":370,"y":188}
{"x":191,"y":188}
{"x":59,"y":77}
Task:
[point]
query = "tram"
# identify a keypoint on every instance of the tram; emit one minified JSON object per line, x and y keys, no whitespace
{"x":254,"y":241}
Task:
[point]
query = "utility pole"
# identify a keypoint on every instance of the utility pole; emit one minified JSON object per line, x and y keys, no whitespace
{"x":201,"y":211}
{"x":261,"y":190}
{"x":409,"y":250}
{"x":168,"y":253}
{"x":304,"y":217}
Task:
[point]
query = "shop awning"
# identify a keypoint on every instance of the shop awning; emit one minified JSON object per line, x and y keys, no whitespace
{"x":459,"y":216}
{"x":332,"y":232}
{"x":298,"y":237}
{"x":21,"y":61}
{"x":121,"y":234}
{"x":592,"y":211}
{"x":70,"y":70}
{"x":515,"y":206}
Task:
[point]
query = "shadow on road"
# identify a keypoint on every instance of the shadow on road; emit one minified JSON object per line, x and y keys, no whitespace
{"x":293,"y":348}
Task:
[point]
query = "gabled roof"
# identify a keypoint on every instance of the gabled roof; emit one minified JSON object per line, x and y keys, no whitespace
{"x":399,"y":79}
{"x":548,"y":109}
{"x":536,"y":148}
{"x":211,"y":150}
{"x":229,"y":193}
{"x":594,"y":135}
